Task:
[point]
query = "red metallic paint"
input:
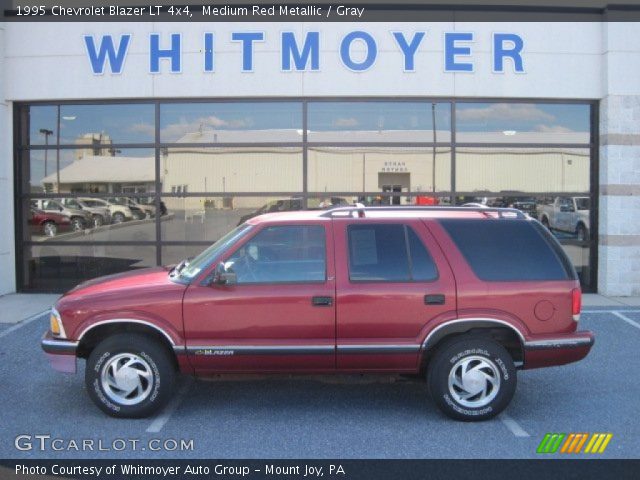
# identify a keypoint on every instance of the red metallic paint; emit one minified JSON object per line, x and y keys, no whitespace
{"x":381,"y":315}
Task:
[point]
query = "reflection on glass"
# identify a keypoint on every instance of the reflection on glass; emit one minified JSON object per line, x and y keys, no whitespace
{"x":206,"y":219}
{"x":522,"y":123}
{"x":379,"y":169}
{"x":56,"y":268}
{"x":231,"y":169}
{"x":522,"y":169}
{"x":129,"y":171}
{"x":231,"y":122}
{"x":43,"y":126}
{"x":87,"y":219}
{"x":174,"y":254}
{"x":379,"y":122}
{"x":98,"y":127}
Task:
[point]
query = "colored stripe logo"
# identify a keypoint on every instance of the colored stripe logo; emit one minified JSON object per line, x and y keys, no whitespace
{"x":574,"y":443}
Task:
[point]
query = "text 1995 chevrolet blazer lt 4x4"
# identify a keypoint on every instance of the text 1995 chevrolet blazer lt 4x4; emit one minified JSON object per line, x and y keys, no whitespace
{"x":462,"y":296}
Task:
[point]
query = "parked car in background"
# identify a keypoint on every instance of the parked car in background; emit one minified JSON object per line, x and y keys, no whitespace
{"x":525,"y":204}
{"x":80,"y":219}
{"x":567,"y":214}
{"x":48,"y":224}
{"x":148,"y":209}
{"x":279,"y":205}
{"x":120,"y":212}
{"x":461,"y":297}
{"x":99,"y":213}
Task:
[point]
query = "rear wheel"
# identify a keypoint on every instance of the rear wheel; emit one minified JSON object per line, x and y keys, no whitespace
{"x":545,"y":222}
{"x":98,"y":221}
{"x":471,"y":378}
{"x":581,"y":233}
{"x":129,"y":375}
{"x":50,"y":229}
{"x":77,"y":224}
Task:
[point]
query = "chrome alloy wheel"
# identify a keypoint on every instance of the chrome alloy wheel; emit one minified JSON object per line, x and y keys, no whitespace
{"x":474,"y":381}
{"x":127,"y":379}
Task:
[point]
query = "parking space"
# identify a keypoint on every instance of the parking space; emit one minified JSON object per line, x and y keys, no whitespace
{"x":328,"y":417}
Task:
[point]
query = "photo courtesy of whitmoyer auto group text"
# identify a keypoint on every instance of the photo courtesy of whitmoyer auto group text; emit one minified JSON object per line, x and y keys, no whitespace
{"x":289,"y":240}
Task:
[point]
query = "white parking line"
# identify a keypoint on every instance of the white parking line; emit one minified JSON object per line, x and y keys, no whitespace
{"x":164,"y":416}
{"x":22,"y":323}
{"x":513,"y":426}
{"x":610,"y":311}
{"x":627,"y":319}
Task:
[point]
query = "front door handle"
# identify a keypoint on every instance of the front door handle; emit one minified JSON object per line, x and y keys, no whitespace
{"x":321,"y":301}
{"x":434,"y":299}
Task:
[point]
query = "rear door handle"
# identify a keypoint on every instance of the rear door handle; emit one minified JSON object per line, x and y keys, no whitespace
{"x":434,"y":299}
{"x":321,"y":301}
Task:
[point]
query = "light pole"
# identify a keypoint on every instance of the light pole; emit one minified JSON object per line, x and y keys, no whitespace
{"x":46,"y":134}
{"x":433,"y":162}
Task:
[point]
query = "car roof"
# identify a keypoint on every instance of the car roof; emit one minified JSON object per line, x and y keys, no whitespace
{"x":390,"y":213}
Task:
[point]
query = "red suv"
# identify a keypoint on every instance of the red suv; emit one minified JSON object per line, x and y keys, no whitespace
{"x":462,"y":296}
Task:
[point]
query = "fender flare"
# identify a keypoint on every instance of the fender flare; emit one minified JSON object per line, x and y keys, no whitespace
{"x":462,"y":325}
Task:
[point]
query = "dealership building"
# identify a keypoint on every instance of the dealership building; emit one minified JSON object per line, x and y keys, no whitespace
{"x":170,"y":134}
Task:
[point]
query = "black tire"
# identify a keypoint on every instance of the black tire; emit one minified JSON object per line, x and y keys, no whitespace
{"x":77,"y":224}
{"x":98,"y":221}
{"x":158,"y":362}
{"x":49,"y":229}
{"x":545,"y":222}
{"x":581,"y":233}
{"x":483,"y":355}
{"x":118,"y":217}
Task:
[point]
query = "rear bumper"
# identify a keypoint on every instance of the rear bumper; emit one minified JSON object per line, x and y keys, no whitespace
{"x":557,"y":350}
{"x":60,"y":353}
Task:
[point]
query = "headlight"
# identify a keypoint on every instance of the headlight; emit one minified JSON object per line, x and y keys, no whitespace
{"x":57,"y":329}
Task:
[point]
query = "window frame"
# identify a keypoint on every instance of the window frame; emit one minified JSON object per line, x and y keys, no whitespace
{"x":406,"y":227}
{"x":257,"y":232}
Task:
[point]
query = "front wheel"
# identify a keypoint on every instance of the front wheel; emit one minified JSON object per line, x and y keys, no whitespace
{"x":129,"y":376}
{"x":581,"y":233}
{"x":471,"y":378}
{"x":118,"y":217}
{"x":77,"y":224}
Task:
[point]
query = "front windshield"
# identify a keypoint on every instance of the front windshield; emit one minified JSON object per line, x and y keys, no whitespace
{"x":202,"y":261}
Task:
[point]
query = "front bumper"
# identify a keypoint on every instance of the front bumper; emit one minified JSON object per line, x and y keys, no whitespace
{"x":557,"y":350}
{"x":60,"y":353}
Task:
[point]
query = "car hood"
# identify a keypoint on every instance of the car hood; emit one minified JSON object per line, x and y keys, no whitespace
{"x":146,"y":278}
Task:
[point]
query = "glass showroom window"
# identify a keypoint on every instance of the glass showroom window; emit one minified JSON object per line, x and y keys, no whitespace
{"x":104,"y":187}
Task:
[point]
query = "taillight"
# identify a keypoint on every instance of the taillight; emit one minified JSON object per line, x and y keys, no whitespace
{"x":576,"y":303}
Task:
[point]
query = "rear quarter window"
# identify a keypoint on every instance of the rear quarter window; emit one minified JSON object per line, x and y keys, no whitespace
{"x":509,"y":250}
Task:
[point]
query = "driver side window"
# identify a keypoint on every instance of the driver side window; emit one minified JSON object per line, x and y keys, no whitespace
{"x":281,"y":254}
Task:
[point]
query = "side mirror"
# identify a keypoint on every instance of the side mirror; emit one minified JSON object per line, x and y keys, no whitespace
{"x":224,"y":276}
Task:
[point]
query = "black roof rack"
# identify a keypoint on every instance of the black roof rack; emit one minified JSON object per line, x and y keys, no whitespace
{"x":360,"y":210}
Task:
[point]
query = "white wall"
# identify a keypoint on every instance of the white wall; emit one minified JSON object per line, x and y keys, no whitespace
{"x":7,"y":257}
{"x":49,"y":61}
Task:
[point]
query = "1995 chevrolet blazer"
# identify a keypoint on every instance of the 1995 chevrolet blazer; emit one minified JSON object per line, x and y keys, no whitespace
{"x":462,"y":296}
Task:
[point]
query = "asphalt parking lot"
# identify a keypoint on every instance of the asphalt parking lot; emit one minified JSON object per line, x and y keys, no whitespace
{"x":323,"y":417}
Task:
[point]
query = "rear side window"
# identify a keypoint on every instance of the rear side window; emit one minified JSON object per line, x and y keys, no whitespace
{"x":507,"y":250}
{"x":388,"y":253}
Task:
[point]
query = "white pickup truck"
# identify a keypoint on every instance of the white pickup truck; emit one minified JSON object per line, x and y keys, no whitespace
{"x":567,"y":214}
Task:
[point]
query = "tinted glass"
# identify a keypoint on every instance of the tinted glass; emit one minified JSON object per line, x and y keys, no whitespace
{"x":522,"y":123}
{"x":282,"y":255}
{"x":378,"y":253}
{"x":423,"y":267}
{"x":377,"y":169}
{"x":100,"y":126}
{"x":231,"y":169}
{"x":513,"y":169}
{"x":57,"y":268}
{"x":231,"y":122}
{"x":506,"y":250}
{"x":206,"y":219}
{"x":43,"y":126}
{"x":379,"y":122}
{"x":128,"y":171}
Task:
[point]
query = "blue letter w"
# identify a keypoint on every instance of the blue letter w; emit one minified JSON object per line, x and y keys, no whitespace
{"x":107,"y":48}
